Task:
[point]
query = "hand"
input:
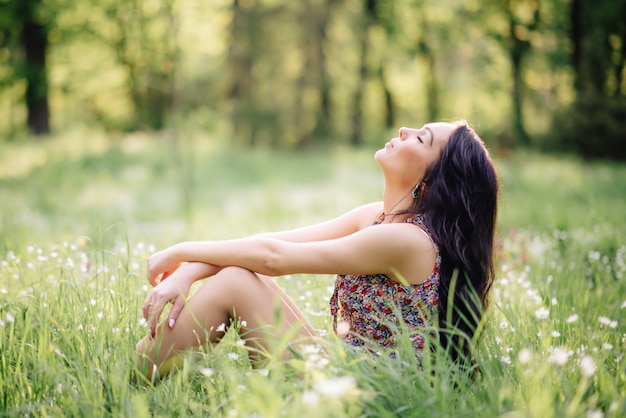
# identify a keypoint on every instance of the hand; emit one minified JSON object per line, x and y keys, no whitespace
{"x":161,"y":265}
{"x":174,"y":290}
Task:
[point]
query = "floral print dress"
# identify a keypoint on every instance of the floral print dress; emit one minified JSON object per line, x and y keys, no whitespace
{"x":365,"y":308}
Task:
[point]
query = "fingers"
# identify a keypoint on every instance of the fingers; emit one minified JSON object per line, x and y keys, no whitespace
{"x":152,"y":310}
{"x":154,"y":318}
{"x":155,"y":278}
{"x":160,"y":266}
{"x":177,"y":306}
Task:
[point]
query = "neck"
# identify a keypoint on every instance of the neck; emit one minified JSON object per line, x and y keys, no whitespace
{"x":396,"y":199}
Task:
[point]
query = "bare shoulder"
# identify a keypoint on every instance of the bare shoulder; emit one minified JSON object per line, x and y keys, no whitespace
{"x":415,"y":252}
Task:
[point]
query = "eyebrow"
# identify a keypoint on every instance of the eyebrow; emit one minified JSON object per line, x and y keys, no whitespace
{"x":432,"y":135}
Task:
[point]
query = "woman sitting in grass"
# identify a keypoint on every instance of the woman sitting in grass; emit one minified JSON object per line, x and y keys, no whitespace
{"x":400,"y":262}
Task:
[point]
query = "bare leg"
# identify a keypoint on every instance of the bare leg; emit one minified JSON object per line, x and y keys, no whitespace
{"x":234,"y":293}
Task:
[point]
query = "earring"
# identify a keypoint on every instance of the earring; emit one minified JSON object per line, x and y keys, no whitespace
{"x":416,"y":191}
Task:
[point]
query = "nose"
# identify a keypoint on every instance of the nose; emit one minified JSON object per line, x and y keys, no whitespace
{"x":403,"y":132}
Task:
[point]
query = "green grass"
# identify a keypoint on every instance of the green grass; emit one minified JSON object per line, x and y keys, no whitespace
{"x":81,"y":213}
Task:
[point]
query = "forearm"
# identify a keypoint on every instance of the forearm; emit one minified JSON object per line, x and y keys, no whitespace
{"x":254,"y":253}
{"x":198,"y":270}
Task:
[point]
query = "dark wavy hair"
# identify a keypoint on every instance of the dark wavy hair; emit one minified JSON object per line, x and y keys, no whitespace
{"x":459,"y":200}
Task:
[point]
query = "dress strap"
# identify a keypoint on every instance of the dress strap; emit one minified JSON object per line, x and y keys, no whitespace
{"x":418,"y":220}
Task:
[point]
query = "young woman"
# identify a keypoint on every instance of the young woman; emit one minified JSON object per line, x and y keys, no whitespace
{"x":427,"y":244}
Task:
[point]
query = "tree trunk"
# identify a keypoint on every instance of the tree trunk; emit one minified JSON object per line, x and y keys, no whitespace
{"x":432,"y":86}
{"x":516,"y":54}
{"x":390,"y":110}
{"x":356,"y":136}
{"x":323,"y":124}
{"x":239,"y":61}
{"x":35,"y":42}
{"x":576,"y":36}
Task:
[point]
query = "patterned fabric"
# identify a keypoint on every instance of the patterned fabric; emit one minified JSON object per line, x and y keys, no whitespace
{"x":364,"y":306}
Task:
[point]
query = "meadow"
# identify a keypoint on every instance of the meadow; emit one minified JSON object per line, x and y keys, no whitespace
{"x":81,"y":212}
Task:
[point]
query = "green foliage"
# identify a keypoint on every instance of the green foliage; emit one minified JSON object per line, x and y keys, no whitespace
{"x":592,"y":127}
{"x":295,"y":74}
{"x":80,"y":218}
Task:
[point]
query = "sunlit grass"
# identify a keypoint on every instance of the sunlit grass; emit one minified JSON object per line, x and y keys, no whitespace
{"x":77,"y":225}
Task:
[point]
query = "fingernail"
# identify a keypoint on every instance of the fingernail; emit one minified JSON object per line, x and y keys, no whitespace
{"x":172,"y":322}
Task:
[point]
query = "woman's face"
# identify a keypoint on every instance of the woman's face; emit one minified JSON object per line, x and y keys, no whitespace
{"x":406,"y":157}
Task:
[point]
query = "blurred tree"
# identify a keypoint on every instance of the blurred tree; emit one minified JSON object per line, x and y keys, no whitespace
{"x":279,"y":87}
{"x":240,"y":59}
{"x":313,"y":78}
{"x":143,"y":36}
{"x":24,"y":27}
{"x":598,"y":34}
{"x":595,"y":123}
{"x":427,"y":51}
{"x":375,"y":13}
{"x":511,"y":23}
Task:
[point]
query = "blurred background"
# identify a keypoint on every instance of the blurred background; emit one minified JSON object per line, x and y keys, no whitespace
{"x":541,"y":74}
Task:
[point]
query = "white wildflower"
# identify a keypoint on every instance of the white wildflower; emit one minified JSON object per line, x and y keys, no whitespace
{"x":556,"y":334}
{"x":100,"y":315}
{"x":221,"y":327}
{"x":10,"y":318}
{"x":558,"y":356}
{"x":572,"y":318}
{"x":92,"y":302}
{"x":607,"y":321}
{"x":542,"y":313}
{"x":233,"y":356}
{"x":624,"y":304}
{"x":594,"y":256}
{"x":241,"y":342}
{"x":336,"y":387}
{"x":595,"y":413}
{"x":505,"y":359}
{"x":607,"y":346}
{"x":206,"y":371}
{"x":587,"y":366}
{"x":310,"y":398}
{"x":524,"y":356}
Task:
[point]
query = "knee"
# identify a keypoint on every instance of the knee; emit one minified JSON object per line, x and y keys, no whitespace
{"x":231,"y":279}
{"x":234,"y":272}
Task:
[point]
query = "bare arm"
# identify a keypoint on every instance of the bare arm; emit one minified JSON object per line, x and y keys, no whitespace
{"x":346,"y":224}
{"x":394,"y":249}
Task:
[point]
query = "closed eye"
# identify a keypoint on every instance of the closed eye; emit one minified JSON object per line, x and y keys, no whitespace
{"x":420,"y":139}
